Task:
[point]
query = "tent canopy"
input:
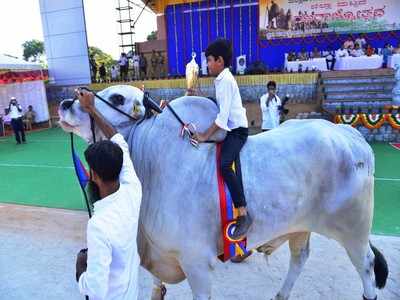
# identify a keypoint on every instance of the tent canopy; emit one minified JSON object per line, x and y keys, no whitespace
{"x":12,"y":63}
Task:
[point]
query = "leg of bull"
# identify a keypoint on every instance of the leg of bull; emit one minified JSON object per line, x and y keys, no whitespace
{"x":299,"y":251}
{"x":362,"y":258}
{"x":159,"y":289}
{"x":198,"y":274}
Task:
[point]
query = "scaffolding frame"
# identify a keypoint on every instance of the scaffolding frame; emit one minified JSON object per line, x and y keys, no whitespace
{"x":126,"y":25}
{"x":127,"y":22}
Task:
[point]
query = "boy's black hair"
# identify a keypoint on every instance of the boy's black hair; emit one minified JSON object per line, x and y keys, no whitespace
{"x":105,"y":158}
{"x":223,"y":48}
{"x":271,"y":84}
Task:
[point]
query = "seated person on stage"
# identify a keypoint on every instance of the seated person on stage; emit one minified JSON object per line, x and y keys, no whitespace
{"x":302,"y":55}
{"x":370,"y":50}
{"x":386,"y":52}
{"x":330,"y":60}
{"x":29,"y":118}
{"x":357,"y":51}
{"x":316,"y":53}
{"x":349,"y":44}
{"x":291,"y":56}
{"x":361,"y":42}
{"x":342,"y":52}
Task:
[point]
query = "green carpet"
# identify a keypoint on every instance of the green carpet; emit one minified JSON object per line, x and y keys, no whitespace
{"x":40,"y":173}
{"x":387,"y":190}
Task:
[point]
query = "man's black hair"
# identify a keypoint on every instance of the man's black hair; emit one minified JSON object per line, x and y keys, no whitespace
{"x":271,"y":84}
{"x":105,"y":158}
{"x":223,"y":48}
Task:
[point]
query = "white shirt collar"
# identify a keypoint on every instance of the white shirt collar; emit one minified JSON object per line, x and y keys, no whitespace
{"x":105,"y":202}
{"x":222,"y":74}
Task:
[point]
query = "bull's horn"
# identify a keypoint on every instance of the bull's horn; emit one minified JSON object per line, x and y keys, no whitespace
{"x":149,"y":103}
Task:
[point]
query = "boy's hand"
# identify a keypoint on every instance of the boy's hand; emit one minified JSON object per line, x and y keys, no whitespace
{"x":86,"y":99}
{"x":163,"y":103}
{"x":200,"y":137}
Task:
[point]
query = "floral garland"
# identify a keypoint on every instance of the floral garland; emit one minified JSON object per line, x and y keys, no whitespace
{"x":176,"y":40}
{"x":224,"y":16}
{"x":216,"y":17}
{"x":370,"y":121}
{"x":250,"y":30}
{"x":393,"y":120}
{"x":191,"y":26}
{"x":351,"y":119}
{"x":200,"y":30}
{"x":240,"y":29}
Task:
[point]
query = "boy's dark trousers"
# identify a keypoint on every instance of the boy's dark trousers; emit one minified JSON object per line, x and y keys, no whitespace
{"x":18,"y":127}
{"x":233,"y":143}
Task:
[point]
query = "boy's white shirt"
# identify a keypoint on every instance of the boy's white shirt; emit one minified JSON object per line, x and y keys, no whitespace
{"x":113,"y":260}
{"x":270,"y":113}
{"x":231,"y":114}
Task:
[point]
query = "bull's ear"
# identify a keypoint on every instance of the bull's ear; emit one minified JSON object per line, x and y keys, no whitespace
{"x":117,"y":99}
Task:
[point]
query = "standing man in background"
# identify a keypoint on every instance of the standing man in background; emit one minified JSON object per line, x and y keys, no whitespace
{"x":154,"y":62}
{"x":270,"y":105}
{"x":103,"y":73}
{"x":136,"y":66}
{"x":161,"y":65}
{"x":123,"y":66}
{"x":15,"y":112}
{"x":143,"y":66}
{"x":93,"y":68}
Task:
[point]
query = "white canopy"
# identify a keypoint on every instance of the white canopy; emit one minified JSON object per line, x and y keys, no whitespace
{"x":12,"y":63}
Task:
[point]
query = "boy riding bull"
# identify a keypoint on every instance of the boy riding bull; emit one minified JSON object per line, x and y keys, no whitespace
{"x":231,"y":118}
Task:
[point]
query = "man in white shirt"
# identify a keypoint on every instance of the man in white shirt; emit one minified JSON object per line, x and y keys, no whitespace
{"x":109,"y":268}
{"x":123,"y":66}
{"x":349,"y":44}
{"x":135,"y":59}
{"x":15,"y":113}
{"x":357,"y":51}
{"x":114,"y":73}
{"x":232,"y":118}
{"x":361,"y":42}
{"x":270,"y":105}
{"x":342,"y":52}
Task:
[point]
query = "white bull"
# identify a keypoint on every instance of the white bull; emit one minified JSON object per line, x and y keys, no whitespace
{"x":302,"y":177}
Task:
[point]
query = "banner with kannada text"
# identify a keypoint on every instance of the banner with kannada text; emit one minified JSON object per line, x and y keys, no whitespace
{"x":299,"y":18}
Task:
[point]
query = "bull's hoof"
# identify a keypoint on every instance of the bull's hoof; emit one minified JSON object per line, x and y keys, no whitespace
{"x":240,"y":258}
{"x":365,"y":298}
{"x":280,"y":297}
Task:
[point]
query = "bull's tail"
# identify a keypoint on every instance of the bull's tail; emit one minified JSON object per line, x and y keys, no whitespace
{"x":380,"y":268}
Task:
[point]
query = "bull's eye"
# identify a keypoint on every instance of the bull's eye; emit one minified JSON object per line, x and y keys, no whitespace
{"x":117,"y":99}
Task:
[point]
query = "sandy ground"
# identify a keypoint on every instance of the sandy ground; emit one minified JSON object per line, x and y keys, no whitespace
{"x":38,"y":248}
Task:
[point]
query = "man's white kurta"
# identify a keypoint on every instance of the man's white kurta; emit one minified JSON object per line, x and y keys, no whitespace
{"x":113,"y":260}
{"x":270,"y":113}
